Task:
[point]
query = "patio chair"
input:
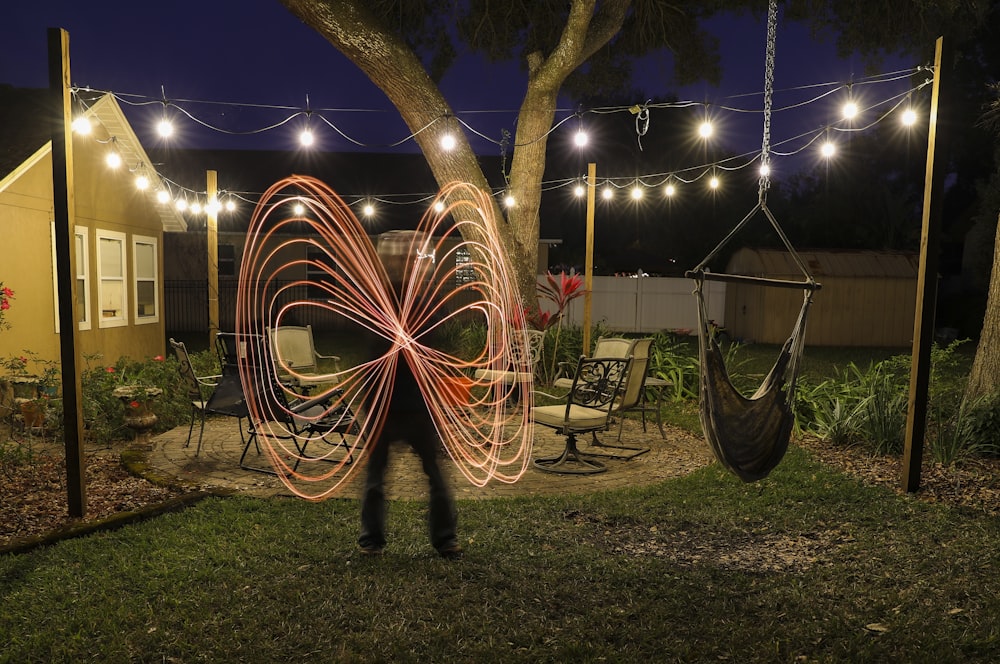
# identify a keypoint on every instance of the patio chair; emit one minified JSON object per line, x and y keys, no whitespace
{"x":298,"y":420}
{"x":596,"y":386}
{"x":226,"y":397}
{"x":631,"y":398}
{"x":614,"y":347}
{"x":296,"y":357}
{"x":536,"y":339}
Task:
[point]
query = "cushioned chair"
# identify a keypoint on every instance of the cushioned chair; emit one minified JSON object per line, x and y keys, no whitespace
{"x":507,"y":378}
{"x":597,"y":383}
{"x":296,"y":357}
{"x":631,"y":398}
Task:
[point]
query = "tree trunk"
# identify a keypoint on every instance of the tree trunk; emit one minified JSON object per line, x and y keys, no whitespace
{"x":985,"y":376}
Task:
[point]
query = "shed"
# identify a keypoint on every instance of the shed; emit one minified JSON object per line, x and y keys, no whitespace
{"x":868,"y":298}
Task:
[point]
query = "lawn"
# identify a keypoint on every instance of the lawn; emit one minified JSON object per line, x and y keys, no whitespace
{"x":807,"y":565}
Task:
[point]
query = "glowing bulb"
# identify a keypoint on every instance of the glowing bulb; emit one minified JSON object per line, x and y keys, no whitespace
{"x":705,"y":129}
{"x":765,"y":170}
{"x":909,"y":117}
{"x":670,"y":190}
{"x":828,"y":149}
{"x":448,"y":142}
{"x":182,"y":204}
{"x":439,"y":207}
{"x":368,"y":209}
{"x":636,"y":193}
{"x":581,"y":138}
{"x":230,"y":205}
{"x":164,"y":128}
{"x":306,"y":138}
{"x":509,"y":201}
{"x":162,"y":197}
{"x":114,"y":160}
{"x":196,"y":207}
{"x":213,"y":206}
{"x":714,"y":182}
{"x":850,"y":110}
{"x":299,"y":209}
{"x":579,"y":191}
{"x":81,"y":125}
{"x":607,"y":194}
{"x":142,"y":183}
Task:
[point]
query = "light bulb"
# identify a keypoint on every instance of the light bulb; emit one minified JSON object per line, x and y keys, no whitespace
{"x":114,"y":160}
{"x":850,"y":110}
{"x":607,"y":194}
{"x":509,"y":201}
{"x":81,"y":125}
{"x":164,"y":128}
{"x":448,"y":142}
{"x":196,"y":207}
{"x":230,"y":205}
{"x":581,"y":138}
{"x":828,"y":149}
{"x":306,"y":138}
{"x":162,"y":197}
{"x":368,"y":209}
{"x":213,"y":206}
{"x":299,"y":209}
{"x":909,"y":117}
{"x":714,"y":182}
{"x":705,"y":129}
{"x":579,"y":191}
{"x":142,"y":183}
{"x":670,"y":190}
{"x":636,"y":193}
{"x":439,"y":207}
{"x":765,"y":170}
{"x":181,"y":204}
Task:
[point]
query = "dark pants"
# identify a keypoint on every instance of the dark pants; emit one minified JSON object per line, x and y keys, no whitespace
{"x":416,"y":429}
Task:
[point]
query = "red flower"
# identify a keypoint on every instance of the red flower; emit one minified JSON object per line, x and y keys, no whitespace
{"x":7,"y":292}
{"x":110,"y":369}
{"x":158,"y":358}
{"x":5,"y":305}
{"x":134,"y":404}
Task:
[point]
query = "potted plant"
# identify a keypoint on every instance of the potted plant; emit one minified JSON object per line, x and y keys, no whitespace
{"x":30,"y":391}
{"x":134,"y":386}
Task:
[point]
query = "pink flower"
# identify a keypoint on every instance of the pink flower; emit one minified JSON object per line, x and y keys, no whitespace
{"x":7,"y":292}
{"x":158,"y":358}
{"x":110,"y":369}
{"x":5,"y":305}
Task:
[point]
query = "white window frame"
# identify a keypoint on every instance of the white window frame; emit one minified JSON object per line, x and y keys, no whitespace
{"x":154,"y":243}
{"x":122,"y":319}
{"x":82,"y":274}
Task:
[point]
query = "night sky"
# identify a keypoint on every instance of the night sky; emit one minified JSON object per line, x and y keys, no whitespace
{"x":256,"y":52}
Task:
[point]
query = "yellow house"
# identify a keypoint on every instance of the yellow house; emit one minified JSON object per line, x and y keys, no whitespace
{"x":118,"y":228}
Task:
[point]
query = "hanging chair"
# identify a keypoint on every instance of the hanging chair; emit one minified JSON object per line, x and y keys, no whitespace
{"x":749,"y":436}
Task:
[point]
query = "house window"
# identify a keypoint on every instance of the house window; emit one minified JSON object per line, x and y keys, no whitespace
{"x":227,"y":260}
{"x":111,"y":275}
{"x":82,"y":278}
{"x":464,"y":272}
{"x":318,"y":270}
{"x":146,"y":283}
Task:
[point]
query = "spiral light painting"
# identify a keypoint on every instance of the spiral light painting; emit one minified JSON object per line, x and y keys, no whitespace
{"x":483,"y":427}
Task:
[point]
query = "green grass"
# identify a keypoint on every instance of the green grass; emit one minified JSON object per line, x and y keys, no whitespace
{"x":807,"y":565}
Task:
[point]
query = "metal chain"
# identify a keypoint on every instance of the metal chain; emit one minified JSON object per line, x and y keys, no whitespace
{"x":765,"y":150}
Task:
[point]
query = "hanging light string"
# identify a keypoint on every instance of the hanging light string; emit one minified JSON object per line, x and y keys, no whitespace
{"x":687,"y":175}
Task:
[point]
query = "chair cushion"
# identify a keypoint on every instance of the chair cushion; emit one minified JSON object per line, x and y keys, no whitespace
{"x":580,"y":417}
{"x":505,"y":377}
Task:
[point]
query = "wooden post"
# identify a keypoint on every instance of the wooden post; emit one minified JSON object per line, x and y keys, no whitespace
{"x":64,"y":211}
{"x":588,"y":268}
{"x":212,"y":231}
{"x":927,"y":281}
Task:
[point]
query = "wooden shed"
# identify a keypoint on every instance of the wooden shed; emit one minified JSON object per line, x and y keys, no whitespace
{"x":867,"y":299}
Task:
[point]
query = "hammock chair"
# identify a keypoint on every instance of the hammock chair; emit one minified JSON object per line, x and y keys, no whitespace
{"x":749,"y":436}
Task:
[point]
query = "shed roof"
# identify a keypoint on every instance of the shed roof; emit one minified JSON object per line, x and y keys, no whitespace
{"x":847,"y":263}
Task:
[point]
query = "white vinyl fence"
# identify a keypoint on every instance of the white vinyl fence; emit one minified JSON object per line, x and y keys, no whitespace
{"x":647,"y":304}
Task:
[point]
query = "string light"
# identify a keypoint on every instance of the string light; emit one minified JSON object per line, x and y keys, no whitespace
{"x":306,"y":138}
{"x":195,"y":207}
{"x":828,"y":149}
{"x":142,"y":183}
{"x":509,"y":201}
{"x":162,"y":197}
{"x":230,"y":205}
{"x":850,"y":110}
{"x":165,"y":128}
{"x":670,"y":190}
{"x":713,"y":183}
{"x":438,"y":207}
{"x":909,"y":117}
{"x":181,"y":204}
{"x":579,"y":190}
{"x":705,"y":129}
{"x":580,"y":138}
{"x":299,"y":209}
{"x":81,"y":125}
{"x":636,"y":193}
{"x":113,"y":159}
{"x":448,"y":142}
{"x":765,"y":170}
{"x":368,"y":210}
{"x":607,"y":193}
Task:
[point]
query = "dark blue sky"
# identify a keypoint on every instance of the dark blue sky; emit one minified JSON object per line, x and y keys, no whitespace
{"x":255,"y":52}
